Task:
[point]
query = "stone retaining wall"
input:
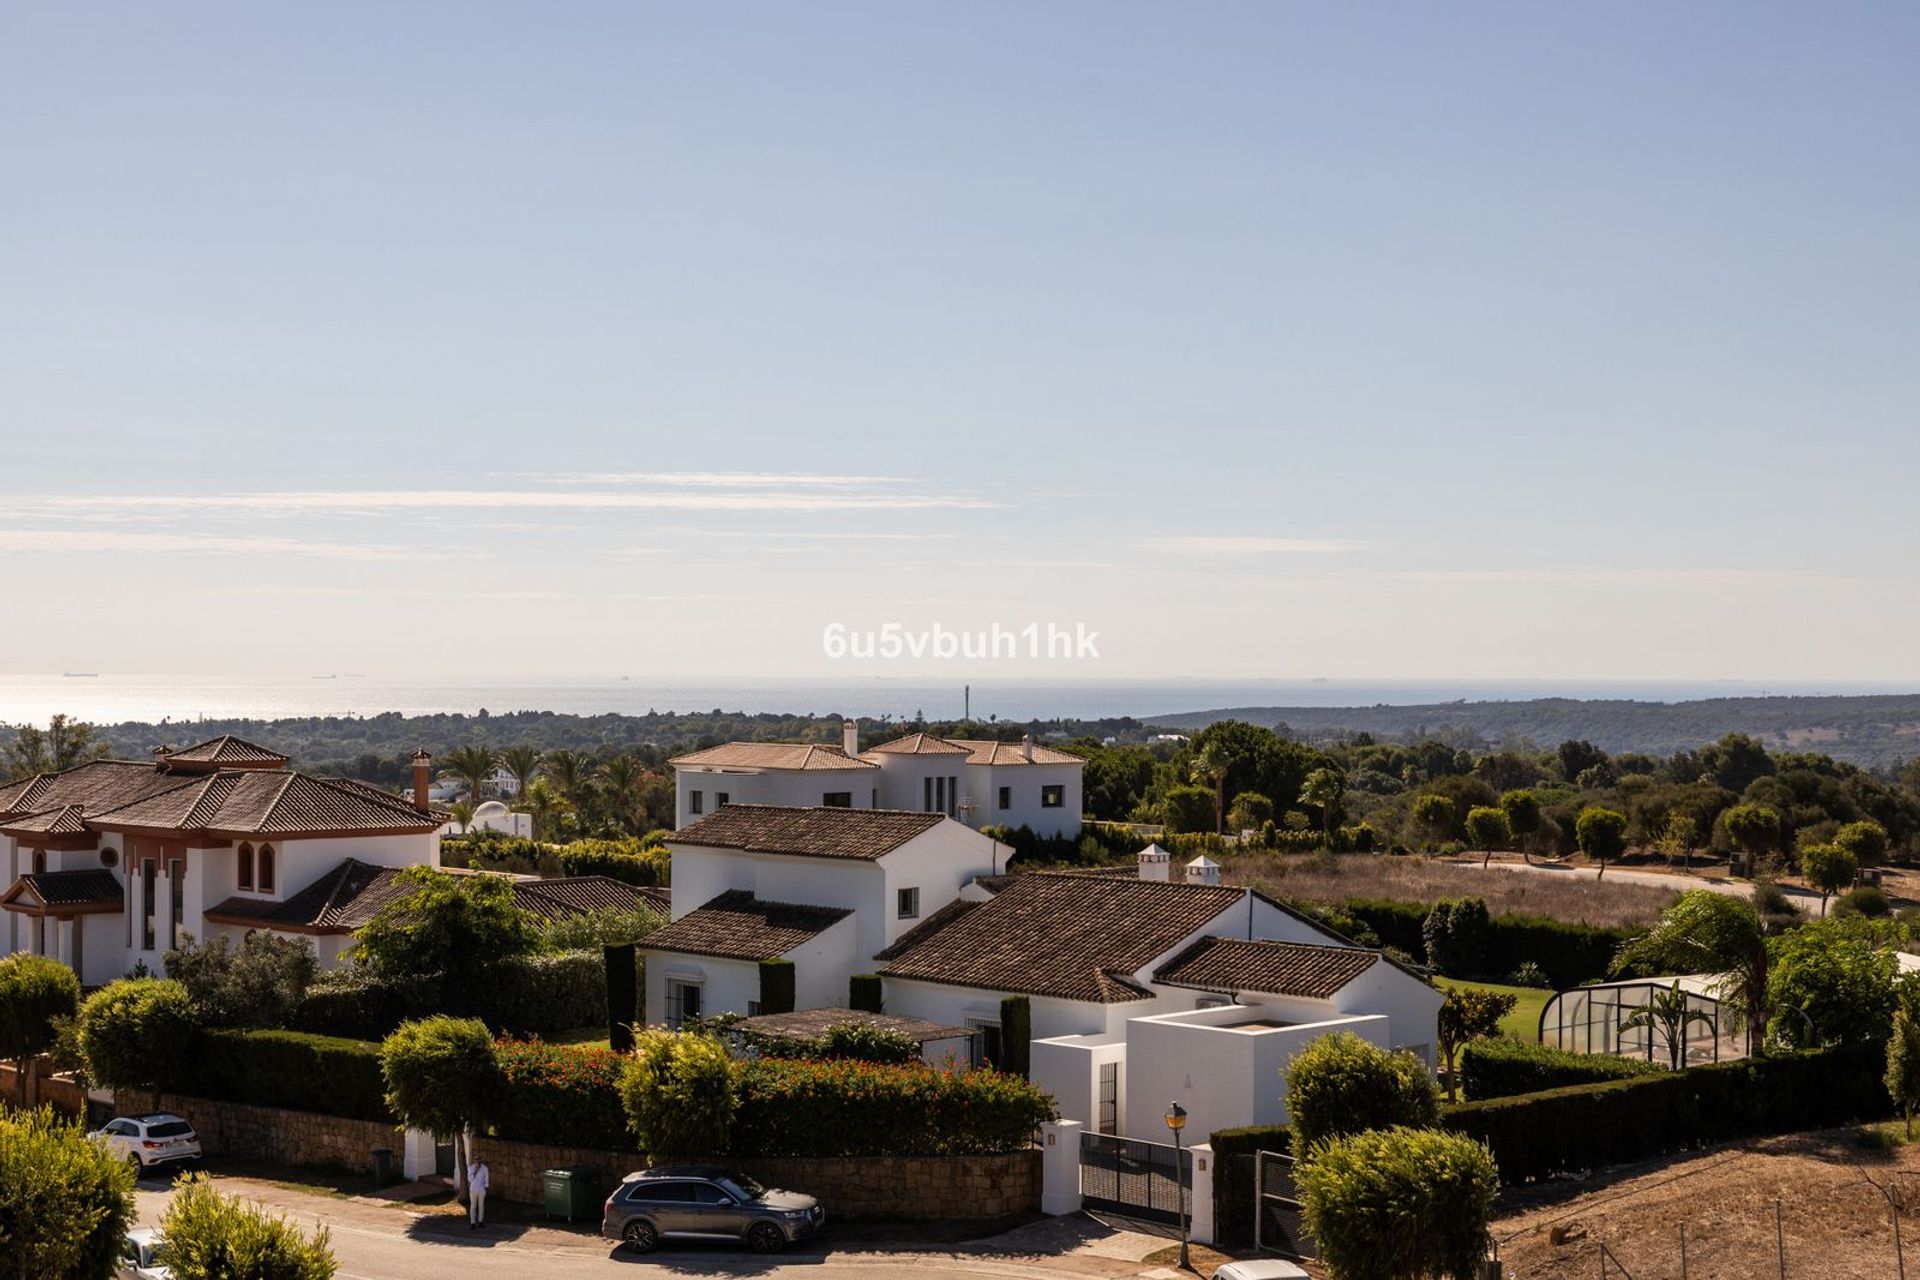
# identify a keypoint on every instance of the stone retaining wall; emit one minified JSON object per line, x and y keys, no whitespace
{"x":49,"y":1090}
{"x":272,"y":1133}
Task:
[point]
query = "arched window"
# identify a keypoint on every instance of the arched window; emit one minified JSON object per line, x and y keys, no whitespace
{"x":39,"y":861}
{"x":266,"y":868}
{"x":246,"y":866}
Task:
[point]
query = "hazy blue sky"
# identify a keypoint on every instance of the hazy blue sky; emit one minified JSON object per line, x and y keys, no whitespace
{"x":1267,"y":339}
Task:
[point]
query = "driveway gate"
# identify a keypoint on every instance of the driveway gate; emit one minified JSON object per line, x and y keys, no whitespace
{"x":1132,"y":1178}
{"x":1278,"y":1226}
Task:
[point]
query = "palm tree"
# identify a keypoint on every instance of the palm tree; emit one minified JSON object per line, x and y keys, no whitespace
{"x":475,"y":767}
{"x":1718,"y":933}
{"x":523,"y":763}
{"x":1325,"y":788}
{"x":544,"y":802}
{"x":1211,"y":764}
{"x":1669,"y":1014}
{"x":620,"y":781}
{"x":571,"y":774}
{"x":462,"y":812}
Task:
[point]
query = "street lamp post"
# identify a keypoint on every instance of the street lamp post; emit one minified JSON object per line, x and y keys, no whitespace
{"x":1176,"y":1121}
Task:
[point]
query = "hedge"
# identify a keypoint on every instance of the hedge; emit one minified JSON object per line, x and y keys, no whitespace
{"x":563,"y":1095}
{"x":1501,"y":1068}
{"x":629,"y":860}
{"x":1539,"y":1135}
{"x":1234,"y":1176}
{"x":289,"y":1069}
{"x":527,"y":995}
{"x":1571,"y":954}
{"x":851,"y":1108}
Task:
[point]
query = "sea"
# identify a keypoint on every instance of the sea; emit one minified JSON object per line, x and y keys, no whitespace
{"x":113,"y":698}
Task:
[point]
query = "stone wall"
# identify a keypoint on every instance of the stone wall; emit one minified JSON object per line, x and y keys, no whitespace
{"x":273,"y":1134}
{"x":49,"y":1090}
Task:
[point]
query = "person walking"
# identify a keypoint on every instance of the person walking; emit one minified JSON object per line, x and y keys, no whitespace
{"x":479,"y":1177}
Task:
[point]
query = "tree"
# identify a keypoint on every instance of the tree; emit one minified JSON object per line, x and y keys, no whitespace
{"x":1709,"y":932}
{"x":138,"y":1033}
{"x":207,"y":1236}
{"x":449,"y":926}
{"x":1434,"y":814}
{"x":1752,"y":827}
{"x":1865,"y":840}
{"x":681,"y":1093}
{"x":1668,"y":1014}
{"x":1187,"y":809}
{"x":1325,"y":788}
{"x":1523,"y":817}
{"x":1212,"y":762}
{"x":1679,"y":834}
{"x":523,"y":762}
{"x":256,"y":984}
{"x":65,"y":1203}
{"x":61,"y":745}
{"x":544,"y":802}
{"x":1456,"y":933}
{"x":1834,"y":983}
{"x":1488,"y":827}
{"x":1469,"y":1013}
{"x":1828,"y":868}
{"x":35,"y":991}
{"x":1340,"y":1084}
{"x":475,"y":766}
{"x":1576,"y":758}
{"x":571,"y":774}
{"x":1601,"y":834}
{"x":442,"y":1077}
{"x":1400,"y":1204}
{"x":1903,"y":1063}
{"x":620,"y":781}
{"x":1250,"y":811}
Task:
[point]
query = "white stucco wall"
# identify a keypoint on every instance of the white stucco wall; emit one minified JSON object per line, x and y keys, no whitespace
{"x":800,"y":787}
{"x":1068,"y":1067}
{"x":821,"y":966}
{"x":1025,"y":783}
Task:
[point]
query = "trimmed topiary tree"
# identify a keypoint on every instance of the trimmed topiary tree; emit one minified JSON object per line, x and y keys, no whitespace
{"x":1455,"y":933}
{"x":208,"y":1236}
{"x":776,"y":986}
{"x":681,"y":1093}
{"x":1340,"y":1084}
{"x":34,"y":992}
{"x":65,"y":1204}
{"x":1601,"y":834}
{"x":864,"y":993}
{"x":623,"y":996}
{"x":1016,"y":1036}
{"x":1400,"y":1204}
{"x":138,"y":1033}
{"x":442,"y":1077}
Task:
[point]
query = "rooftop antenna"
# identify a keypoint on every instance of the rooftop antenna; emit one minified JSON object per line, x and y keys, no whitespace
{"x":967,"y":703}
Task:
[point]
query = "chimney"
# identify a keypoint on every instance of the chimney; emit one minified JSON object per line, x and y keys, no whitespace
{"x":850,"y":738}
{"x":1154,"y":863}
{"x":1203,"y":870}
{"x":422,"y":779}
{"x":1026,"y":748}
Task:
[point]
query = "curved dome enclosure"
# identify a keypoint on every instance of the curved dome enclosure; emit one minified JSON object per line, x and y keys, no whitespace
{"x":1623,"y":1020}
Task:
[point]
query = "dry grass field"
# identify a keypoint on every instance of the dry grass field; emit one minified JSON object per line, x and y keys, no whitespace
{"x":1319,"y":878}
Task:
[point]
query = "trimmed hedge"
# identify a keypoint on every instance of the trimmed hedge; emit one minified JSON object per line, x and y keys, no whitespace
{"x":1539,"y":1135}
{"x":564,"y":1095}
{"x":1234,"y":1154}
{"x":289,"y":1069}
{"x":1570,"y":954}
{"x":851,"y":1108}
{"x":1502,"y":1068}
{"x":527,"y":995}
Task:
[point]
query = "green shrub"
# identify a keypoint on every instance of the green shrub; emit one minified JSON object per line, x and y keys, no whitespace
{"x":1235,"y":1178}
{"x":441,"y":1074}
{"x":1868,"y":900}
{"x":1400,"y":1204}
{"x":593,"y":929}
{"x":847,"y":1108}
{"x":1540,"y":1135}
{"x":864,"y":992}
{"x":539,"y":994}
{"x":65,"y":1204}
{"x":1456,"y":933}
{"x":254,"y":984}
{"x":35,"y":991}
{"x":1016,"y":1036}
{"x":844,"y":1040}
{"x":1569,"y":954}
{"x":1341,"y":1084}
{"x":630,"y":860}
{"x":1501,"y":1068}
{"x":1530,"y":974}
{"x":137,"y":1033}
{"x":289,"y":1069}
{"x":207,"y":1236}
{"x":680,"y":1091}
{"x":565,"y":1095}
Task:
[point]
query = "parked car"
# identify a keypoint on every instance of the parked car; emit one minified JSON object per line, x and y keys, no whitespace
{"x":1259,"y":1269}
{"x":146,"y":1141}
{"x":706,"y":1202}
{"x":138,"y":1257}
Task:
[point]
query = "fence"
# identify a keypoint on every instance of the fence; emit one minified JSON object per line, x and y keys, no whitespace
{"x":1279,"y":1224}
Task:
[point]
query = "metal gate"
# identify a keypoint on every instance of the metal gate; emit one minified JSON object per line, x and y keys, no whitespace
{"x":1278,"y":1225}
{"x":1132,"y":1178}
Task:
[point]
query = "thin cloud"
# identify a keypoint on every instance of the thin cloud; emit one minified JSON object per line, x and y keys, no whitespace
{"x":719,"y":479}
{"x":146,"y":542}
{"x":341,"y":501}
{"x":1237,"y":546}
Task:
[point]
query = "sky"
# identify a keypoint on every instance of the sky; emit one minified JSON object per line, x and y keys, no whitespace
{"x":1274,"y":340}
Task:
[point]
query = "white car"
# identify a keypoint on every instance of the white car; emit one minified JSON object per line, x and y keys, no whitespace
{"x":1260,"y":1269}
{"x":146,"y":1141}
{"x":137,"y":1257}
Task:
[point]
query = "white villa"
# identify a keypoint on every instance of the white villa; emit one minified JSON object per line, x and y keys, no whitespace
{"x":1141,"y":989}
{"x":980,"y":783}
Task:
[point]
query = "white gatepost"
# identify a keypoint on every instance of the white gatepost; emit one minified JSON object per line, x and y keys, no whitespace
{"x":1060,"y":1166}
{"x":417,"y":1155}
{"x":1200,"y":1206}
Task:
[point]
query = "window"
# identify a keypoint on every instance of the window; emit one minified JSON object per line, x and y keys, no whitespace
{"x":696,"y":802}
{"x":683,"y":1001}
{"x":1053,"y":797}
{"x":939,"y":795}
{"x":147,"y":870}
{"x":39,"y":862}
{"x":953,"y":797}
{"x":720,"y":799}
{"x":245,"y":878}
{"x":705,"y":1193}
{"x":926,"y":796}
{"x":873,"y":801}
{"x":265,"y":868}
{"x":837,"y":799}
{"x":909,"y":903}
{"x":652,"y":1192}
{"x":1109,"y":1097}
{"x":177,"y":900}
{"x":1006,"y":798}
{"x":986,"y":1042}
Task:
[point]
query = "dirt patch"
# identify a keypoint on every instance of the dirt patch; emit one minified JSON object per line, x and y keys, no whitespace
{"x":1833,"y":1223}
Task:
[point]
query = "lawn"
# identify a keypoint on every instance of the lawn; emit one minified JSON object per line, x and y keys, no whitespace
{"x":1523,"y":1021}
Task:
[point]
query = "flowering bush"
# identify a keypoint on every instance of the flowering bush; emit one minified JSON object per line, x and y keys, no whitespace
{"x":566,"y":1095}
{"x":680,"y":1093}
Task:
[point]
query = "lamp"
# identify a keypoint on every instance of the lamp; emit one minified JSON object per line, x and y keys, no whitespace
{"x":1176,"y":1119}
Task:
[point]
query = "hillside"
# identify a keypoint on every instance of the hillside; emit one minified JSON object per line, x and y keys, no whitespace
{"x":1876,"y":730}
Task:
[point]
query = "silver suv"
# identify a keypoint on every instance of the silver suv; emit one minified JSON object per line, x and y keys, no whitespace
{"x":706,"y":1202}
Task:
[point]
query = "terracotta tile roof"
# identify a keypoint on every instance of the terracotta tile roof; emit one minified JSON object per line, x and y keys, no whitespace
{"x":808,"y":1024}
{"x":1075,"y":937}
{"x":94,"y":887}
{"x":863,"y":834}
{"x":918,"y":744}
{"x":566,"y":896}
{"x":353,"y":893}
{"x":1005,"y":753}
{"x":67,"y":820}
{"x":227,"y":752}
{"x":773,"y":755}
{"x":94,"y":786}
{"x":267,"y":802}
{"x":1274,"y":968}
{"x":738,"y":926}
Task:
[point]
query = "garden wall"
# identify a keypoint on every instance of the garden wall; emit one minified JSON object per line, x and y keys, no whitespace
{"x":49,"y":1090}
{"x":273,"y":1134}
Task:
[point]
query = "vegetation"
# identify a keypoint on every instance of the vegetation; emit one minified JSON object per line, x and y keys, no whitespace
{"x":65,"y":1204}
{"x":790,"y":1107}
{"x":1500,"y":1068}
{"x":1521,"y":1022}
{"x":1468,"y":1014}
{"x":1903,"y":1063}
{"x":681,"y":1093}
{"x":1667,"y":1017}
{"x":452,"y":927}
{"x":1708,"y":932}
{"x":1834,"y":982}
{"x":1828,"y":868}
{"x":258,"y":983}
{"x":35,"y":993}
{"x":1455,"y":936}
{"x":845,"y":1040}
{"x":1400,"y":1204}
{"x":1340,"y":1084}
{"x":63,"y":744}
{"x":1601,"y":834}
{"x":441,"y":1076}
{"x":207,"y":1236}
{"x":137,"y":1033}
{"x":289,"y":1069}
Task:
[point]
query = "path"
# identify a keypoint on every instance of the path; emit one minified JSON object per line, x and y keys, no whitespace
{"x":1677,"y":882}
